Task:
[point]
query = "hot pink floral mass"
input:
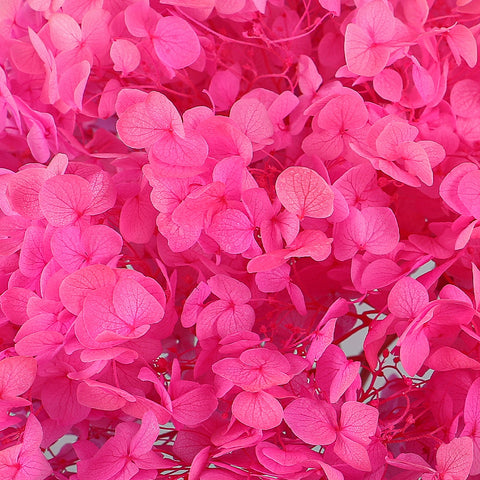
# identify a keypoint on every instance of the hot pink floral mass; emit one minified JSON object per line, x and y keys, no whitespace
{"x":239,"y":239}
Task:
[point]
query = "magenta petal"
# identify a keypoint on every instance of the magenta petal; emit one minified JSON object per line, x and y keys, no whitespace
{"x":257,"y":409}
{"x":314,"y":422}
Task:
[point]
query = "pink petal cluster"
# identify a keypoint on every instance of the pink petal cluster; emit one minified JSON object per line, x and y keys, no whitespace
{"x":239,"y":239}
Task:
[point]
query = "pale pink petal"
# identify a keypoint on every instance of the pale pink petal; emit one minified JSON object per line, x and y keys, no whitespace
{"x":435,"y":152}
{"x":38,"y":143}
{"x":167,"y":193}
{"x":140,"y":19}
{"x":309,"y":80}
{"x":46,"y":343}
{"x":407,"y":298}
{"x":180,"y":237}
{"x":125,"y":56}
{"x":14,"y":303}
{"x":310,"y":243}
{"x":67,"y":248}
{"x":60,"y":401}
{"x":229,"y":289}
{"x":352,"y":453}
{"x":412,"y":462}
{"x":16,"y":375}
{"x":236,"y":372}
{"x":232,"y":230}
{"x":462,"y":43}
{"x":281,"y":107}
{"x":465,"y":98}
{"x":39,"y":5}
{"x":72,"y":84}
{"x":128,"y":97}
{"x":135,"y":305}
{"x":271,"y":359}
{"x":362,"y":55}
{"x":414,"y":351}
{"x":229,"y":7}
{"x":95,"y":30}
{"x":469,"y":192}
{"x":142,"y":442}
{"x":388,"y":84}
{"x":311,"y":421}
{"x":136,"y":128}
{"x":266,"y":262}
{"x":358,"y":421}
{"x":304,"y":192}
{"x":190,"y":151}
{"x":343,"y":379}
{"x":326,"y":144}
{"x":424,"y":82}
{"x":445,"y":359}
{"x":476,"y":284}
{"x":277,"y":460}
{"x":78,"y":8}
{"x":195,"y":406}
{"x":252,"y":118}
{"x":23,"y":190}
{"x":75,"y":288}
{"x":274,"y":280}
{"x":102,"y":396}
{"x":225,"y":139}
{"x":449,"y":188}
{"x":64,"y":199}
{"x":101,"y":243}
{"x":232,"y":174}
{"x":471,"y":416}
{"x":321,"y":340}
{"x":33,"y":255}
{"x":393,"y":135}
{"x":343,"y":113}
{"x":106,"y":105}
{"x":454,"y":459}
{"x":137,"y":218}
{"x":103,"y":193}
{"x":175,"y":42}
{"x":58,"y":164}
{"x":469,"y":129}
{"x":380,"y":273}
{"x":65,"y":32}
{"x":335,"y":372}
{"x":350,"y":235}
{"x":193,"y":304}
{"x":416,"y":161}
{"x":382,"y":234}
{"x":224,"y":88}
{"x":377,"y":18}
{"x":235,"y":319}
